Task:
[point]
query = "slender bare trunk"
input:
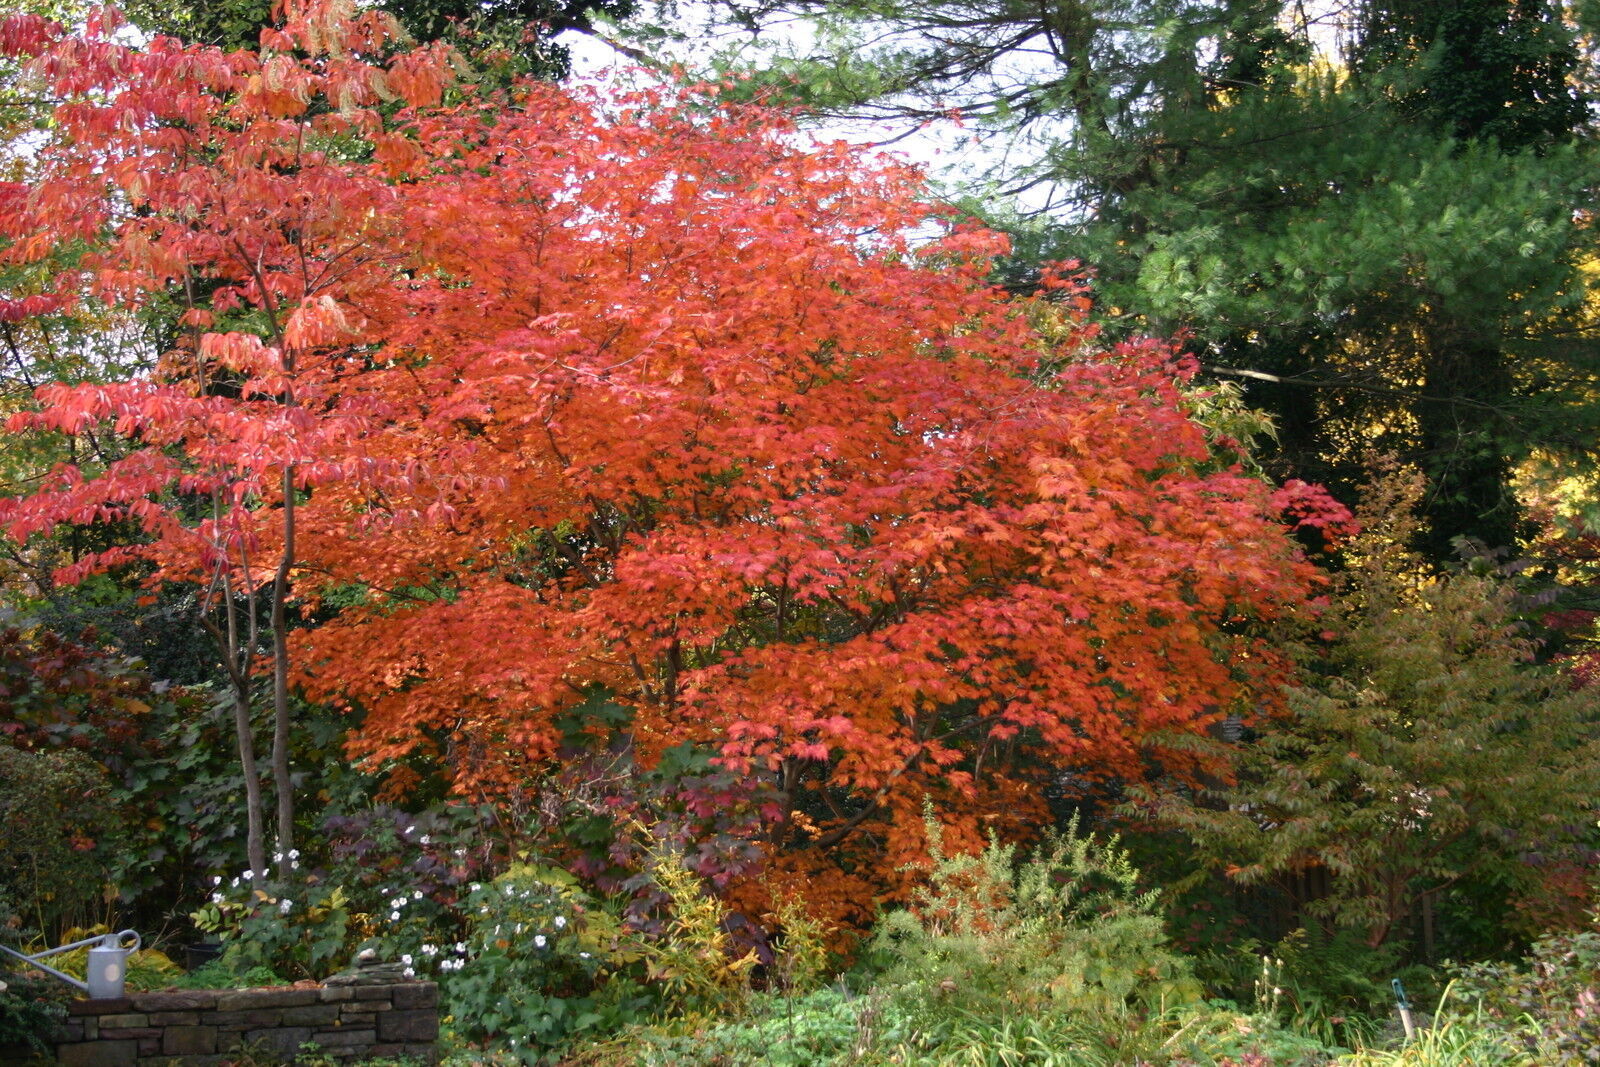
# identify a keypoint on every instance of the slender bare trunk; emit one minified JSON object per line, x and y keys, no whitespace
{"x":280,"y":681}
{"x":235,"y":650}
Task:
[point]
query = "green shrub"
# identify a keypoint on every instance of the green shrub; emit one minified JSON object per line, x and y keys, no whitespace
{"x":58,"y":836}
{"x":1548,"y":1005}
{"x":31,"y":1008}
{"x":218,"y":975}
{"x":1065,"y":932}
{"x":540,"y":967}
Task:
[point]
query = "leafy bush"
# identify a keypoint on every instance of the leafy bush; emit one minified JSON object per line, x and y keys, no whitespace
{"x":217,"y":974}
{"x":539,"y":966}
{"x":1065,"y":932}
{"x":1549,"y":1005}
{"x":31,"y":1008}
{"x":1426,"y":742}
{"x":58,"y":834}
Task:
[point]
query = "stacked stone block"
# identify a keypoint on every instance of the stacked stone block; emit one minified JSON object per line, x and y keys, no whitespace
{"x":202,"y":1027}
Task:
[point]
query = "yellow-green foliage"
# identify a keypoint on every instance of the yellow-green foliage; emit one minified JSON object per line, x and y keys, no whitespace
{"x":692,"y":959}
{"x":802,"y":958}
{"x":1065,"y":931}
{"x":147,"y":968}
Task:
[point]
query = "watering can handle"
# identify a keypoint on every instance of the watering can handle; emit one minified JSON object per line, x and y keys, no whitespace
{"x":122,"y":935}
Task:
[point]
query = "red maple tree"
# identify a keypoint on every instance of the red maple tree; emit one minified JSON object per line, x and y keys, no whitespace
{"x":570,"y":393}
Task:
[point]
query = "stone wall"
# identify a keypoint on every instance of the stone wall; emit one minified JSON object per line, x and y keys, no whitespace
{"x":200,"y":1027}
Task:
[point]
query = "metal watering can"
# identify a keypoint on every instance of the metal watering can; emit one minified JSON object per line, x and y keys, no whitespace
{"x":108,"y":963}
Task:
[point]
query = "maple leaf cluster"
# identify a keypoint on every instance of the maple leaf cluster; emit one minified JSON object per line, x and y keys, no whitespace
{"x":636,"y":393}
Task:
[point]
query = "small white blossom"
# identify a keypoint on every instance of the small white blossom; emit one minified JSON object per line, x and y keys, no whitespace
{"x":416,"y":894}
{"x":406,"y":959}
{"x":538,"y":941}
{"x":561,"y":921}
{"x":461,"y":946}
{"x":216,"y":879}
{"x":284,"y":905}
{"x":394,"y":916}
{"x":216,"y":898}
{"x":424,"y":839}
{"x":475,"y":886}
{"x":410,"y":973}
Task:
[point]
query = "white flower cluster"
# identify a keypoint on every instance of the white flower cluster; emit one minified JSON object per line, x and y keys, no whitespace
{"x":438,"y":955}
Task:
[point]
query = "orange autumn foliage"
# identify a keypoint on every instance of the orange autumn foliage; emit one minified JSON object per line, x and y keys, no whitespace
{"x":640,"y":394}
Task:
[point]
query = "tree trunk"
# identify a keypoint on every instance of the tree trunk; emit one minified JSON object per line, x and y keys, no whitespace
{"x":281,"y":782}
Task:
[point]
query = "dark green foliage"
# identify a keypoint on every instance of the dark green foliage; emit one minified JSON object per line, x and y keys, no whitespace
{"x":491,"y":31}
{"x":59,"y":836}
{"x":31,"y":1007}
{"x":218,"y":975}
{"x":1500,"y":70}
{"x":1424,"y":745}
{"x":1549,"y":1004}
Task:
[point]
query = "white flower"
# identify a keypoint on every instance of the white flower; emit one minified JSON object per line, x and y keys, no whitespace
{"x":584,"y":955}
{"x":538,"y":941}
{"x":216,"y":879}
{"x":406,"y":959}
{"x":216,"y":898}
{"x":474,"y":887}
{"x":561,"y":921}
{"x":294,"y":853}
{"x":416,"y":895}
{"x":409,"y":829}
{"x":394,"y":916}
{"x":461,"y":946}
{"x":410,"y":973}
{"x":284,"y":905}
{"x":424,"y":839}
